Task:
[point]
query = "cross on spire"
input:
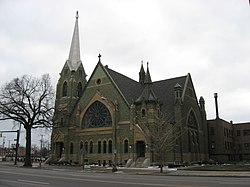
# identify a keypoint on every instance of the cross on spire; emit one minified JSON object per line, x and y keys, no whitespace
{"x":99,"y":56}
{"x":77,"y":15}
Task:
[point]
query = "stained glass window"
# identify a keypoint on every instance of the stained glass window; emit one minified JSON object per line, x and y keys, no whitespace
{"x":192,"y":121}
{"x":97,"y":115}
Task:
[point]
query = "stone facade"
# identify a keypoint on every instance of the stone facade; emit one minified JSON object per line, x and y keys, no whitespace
{"x":102,"y":119}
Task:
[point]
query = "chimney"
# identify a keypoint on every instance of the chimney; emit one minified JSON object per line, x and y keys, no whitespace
{"x":216,"y":105}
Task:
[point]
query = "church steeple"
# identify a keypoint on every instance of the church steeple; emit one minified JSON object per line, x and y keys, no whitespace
{"x":147,"y":94}
{"x":74,"y":59}
{"x":142,"y":74}
{"x":72,"y":77}
{"x":148,"y":79}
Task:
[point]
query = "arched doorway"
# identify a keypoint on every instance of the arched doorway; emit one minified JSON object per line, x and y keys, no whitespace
{"x":140,"y":149}
{"x":59,"y":149}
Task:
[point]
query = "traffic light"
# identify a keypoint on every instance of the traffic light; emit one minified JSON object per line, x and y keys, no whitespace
{"x":1,"y":135}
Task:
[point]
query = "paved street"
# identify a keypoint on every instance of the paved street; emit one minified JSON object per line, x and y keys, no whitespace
{"x":11,"y":176}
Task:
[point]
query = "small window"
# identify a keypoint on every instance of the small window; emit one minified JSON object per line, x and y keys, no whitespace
{"x":80,"y":72}
{"x":61,"y":123}
{"x":86,"y":146}
{"x":91,"y":147}
{"x":79,"y":89}
{"x":211,"y":130}
{"x":99,"y":147}
{"x":104,"y":146}
{"x":81,"y":145}
{"x":65,"y":89}
{"x":66,"y":71}
{"x":98,"y":81}
{"x":246,"y":132}
{"x":238,"y":133}
{"x":110,"y":146}
{"x":71,"y":148}
{"x":143,"y":113}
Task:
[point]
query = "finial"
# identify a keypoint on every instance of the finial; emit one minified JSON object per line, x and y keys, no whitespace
{"x":147,"y":64}
{"x":77,"y":16}
{"x":99,"y":56}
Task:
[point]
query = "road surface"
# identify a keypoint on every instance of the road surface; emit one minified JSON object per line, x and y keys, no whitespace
{"x":11,"y":176}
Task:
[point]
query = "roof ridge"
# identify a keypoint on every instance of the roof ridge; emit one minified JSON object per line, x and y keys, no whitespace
{"x":173,"y":78}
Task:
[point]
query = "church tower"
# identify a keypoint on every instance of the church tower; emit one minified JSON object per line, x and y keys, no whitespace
{"x":147,"y":107}
{"x":71,"y":82}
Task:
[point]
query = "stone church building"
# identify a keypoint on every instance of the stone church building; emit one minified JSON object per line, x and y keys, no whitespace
{"x":103,"y":119}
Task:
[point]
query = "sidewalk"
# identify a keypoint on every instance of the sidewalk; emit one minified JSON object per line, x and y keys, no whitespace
{"x":138,"y":171}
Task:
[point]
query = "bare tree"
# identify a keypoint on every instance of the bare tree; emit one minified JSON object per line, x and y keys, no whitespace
{"x":163,"y":135}
{"x":28,"y":101}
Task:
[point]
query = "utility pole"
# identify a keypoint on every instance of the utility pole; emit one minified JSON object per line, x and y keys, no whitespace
{"x":41,"y":148}
{"x":17,"y":145}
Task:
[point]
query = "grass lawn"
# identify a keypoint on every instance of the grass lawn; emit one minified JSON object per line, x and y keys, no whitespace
{"x":220,"y":168}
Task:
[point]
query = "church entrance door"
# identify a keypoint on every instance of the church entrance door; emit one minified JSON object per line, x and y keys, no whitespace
{"x":59,"y":149}
{"x":140,"y":148}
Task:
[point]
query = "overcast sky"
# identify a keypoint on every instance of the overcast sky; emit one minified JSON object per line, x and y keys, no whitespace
{"x":208,"y":39}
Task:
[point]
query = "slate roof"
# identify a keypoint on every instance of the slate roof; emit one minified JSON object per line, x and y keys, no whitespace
{"x":132,"y":90}
{"x":164,"y":90}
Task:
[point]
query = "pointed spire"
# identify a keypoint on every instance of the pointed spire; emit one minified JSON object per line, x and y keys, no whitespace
{"x":142,"y":68}
{"x":148,"y":77}
{"x":147,"y":94}
{"x":142,"y":74}
{"x":74,"y":59}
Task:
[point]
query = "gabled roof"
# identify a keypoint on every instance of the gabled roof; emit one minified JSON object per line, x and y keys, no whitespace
{"x":164,"y":89}
{"x":130,"y":88}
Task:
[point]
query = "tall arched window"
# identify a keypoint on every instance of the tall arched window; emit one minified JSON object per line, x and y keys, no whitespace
{"x":192,"y":120}
{"x":193,"y":134}
{"x":125,"y":146}
{"x":110,"y":146}
{"x":79,"y":89}
{"x":99,"y":147}
{"x":65,"y":89}
{"x":91,"y":147}
{"x":86,"y":147}
{"x":81,"y":145}
{"x":71,"y":148}
{"x":104,"y":146}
